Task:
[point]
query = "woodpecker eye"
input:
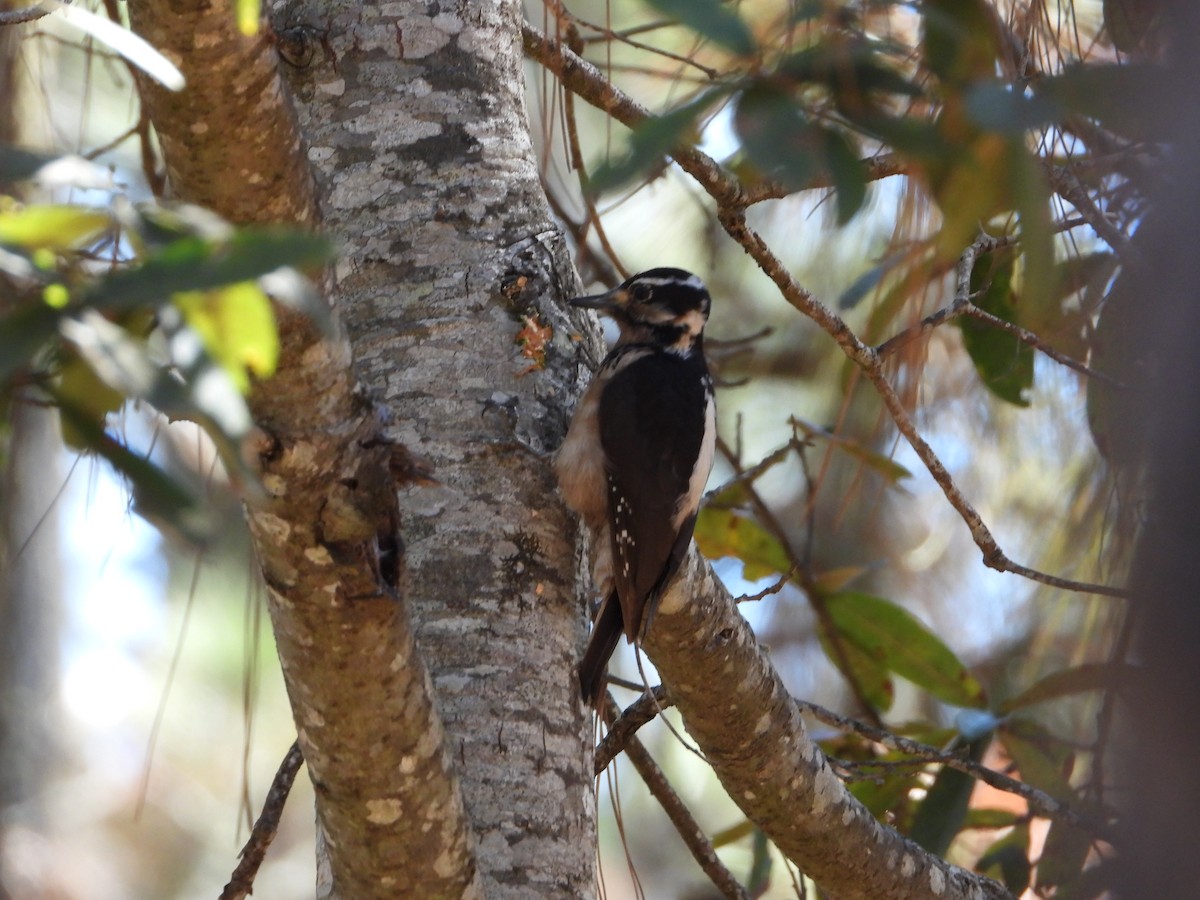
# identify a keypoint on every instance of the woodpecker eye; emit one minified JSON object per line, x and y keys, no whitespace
{"x":640,"y":291}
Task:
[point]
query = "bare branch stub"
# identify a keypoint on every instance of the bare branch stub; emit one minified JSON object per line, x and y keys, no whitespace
{"x":622,"y":729}
{"x":241,"y":882}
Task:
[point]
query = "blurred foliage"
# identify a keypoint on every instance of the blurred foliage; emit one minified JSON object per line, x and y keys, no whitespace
{"x":167,"y":305}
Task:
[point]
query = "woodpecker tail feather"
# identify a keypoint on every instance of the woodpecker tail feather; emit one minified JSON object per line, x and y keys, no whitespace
{"x":606,"y":631}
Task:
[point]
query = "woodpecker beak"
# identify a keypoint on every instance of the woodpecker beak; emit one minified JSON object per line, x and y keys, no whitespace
{"x":606,"y":302}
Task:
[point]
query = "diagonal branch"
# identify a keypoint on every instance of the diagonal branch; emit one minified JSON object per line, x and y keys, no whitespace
{"x":241,"y":882}
{"x":751,"y":730}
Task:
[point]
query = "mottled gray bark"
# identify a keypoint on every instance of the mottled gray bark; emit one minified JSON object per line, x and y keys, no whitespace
{"x":415,"y":118}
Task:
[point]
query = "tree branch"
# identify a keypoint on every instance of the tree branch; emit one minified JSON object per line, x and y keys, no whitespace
{"x":622,"y":729}
{"x":752,"y":733}
{"x":327,"y":536}
{"x":1040,"y":802}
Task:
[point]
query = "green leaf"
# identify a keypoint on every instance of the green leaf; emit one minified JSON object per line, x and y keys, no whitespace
{"x":1066,"y":850}
{"x":733,"y":833}
{"x":971,"y":185}
{"x":889,"y":306}
{"x":193,"y":387}
{"x":1004,"y":364}
{"x":990,"y":818}
{"x":781,"y":141}
{"x":848,"y":172}
{"x":1128,"y":21}
{"x":1008,"y":859}
{"x":887,"y":796}
{"x":959,"y":40}
{"x":724,"y":532}
{"x":237,"y":326}
{"x":52,"y":226}
{"x":859,"y":667}
{"x":86,"y":392}
{"x":24,"y":332}
{"x":1124,"y":98}
{"x":124,"y":42}
{"x":878,"y":462}
{"x":1068,"y":682}
{"x":864,"y":284}
{"x":1031,"y":197}
{"x":650,"y":143}
{"x":247,"y":13}
{"x":1117,"y":350}
{"x":160,"y":499}
{"x":789,"y":148}
{"x":1092,"y":883}
{"x":1044,"y":761}
{"x":851,"y":69}
{"x":1000,"y":107}
{"x":759,"y":877}
{"x":711,"y":19}
{"x":193,"y":264}
{"x":943,"y":812}
{"x":902,"y":645}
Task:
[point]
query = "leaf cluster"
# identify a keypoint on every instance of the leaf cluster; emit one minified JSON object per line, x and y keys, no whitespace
{"x":163,"y":305}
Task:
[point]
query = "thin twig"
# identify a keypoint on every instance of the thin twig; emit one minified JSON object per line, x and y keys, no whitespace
{"x":770,"y":590}
{"x":963,"y":305}
{"x":23,"y":15}
{"x":801,"y":567}
{"x":1028,"y":337}
{"x":688,"y":828}
{"x":1067,"y":186}
{"x":241,"y":882}
{"x":1039,"y":802}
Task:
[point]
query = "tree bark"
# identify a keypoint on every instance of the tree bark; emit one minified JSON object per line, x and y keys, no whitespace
{"x":416,"y":123}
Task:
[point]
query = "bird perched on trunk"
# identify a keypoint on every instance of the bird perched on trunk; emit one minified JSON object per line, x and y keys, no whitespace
{"x":638,"y":453}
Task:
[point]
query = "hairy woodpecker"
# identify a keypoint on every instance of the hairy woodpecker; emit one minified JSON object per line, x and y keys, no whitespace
{"x":638,"y":453}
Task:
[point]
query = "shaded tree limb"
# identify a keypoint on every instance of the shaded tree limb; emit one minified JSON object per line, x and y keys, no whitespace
{"x":622,"y":728}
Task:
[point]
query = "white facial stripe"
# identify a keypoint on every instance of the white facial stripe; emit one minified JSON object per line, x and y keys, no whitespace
{"x":692,"y":281}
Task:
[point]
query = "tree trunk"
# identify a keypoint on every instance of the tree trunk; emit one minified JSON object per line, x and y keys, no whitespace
{"x":415,"y":119}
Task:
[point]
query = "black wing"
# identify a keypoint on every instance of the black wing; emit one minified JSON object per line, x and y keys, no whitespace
{"x":652,"y":416}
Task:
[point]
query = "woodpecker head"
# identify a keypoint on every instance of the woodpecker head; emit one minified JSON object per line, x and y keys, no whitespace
{"x":666,"y":307}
